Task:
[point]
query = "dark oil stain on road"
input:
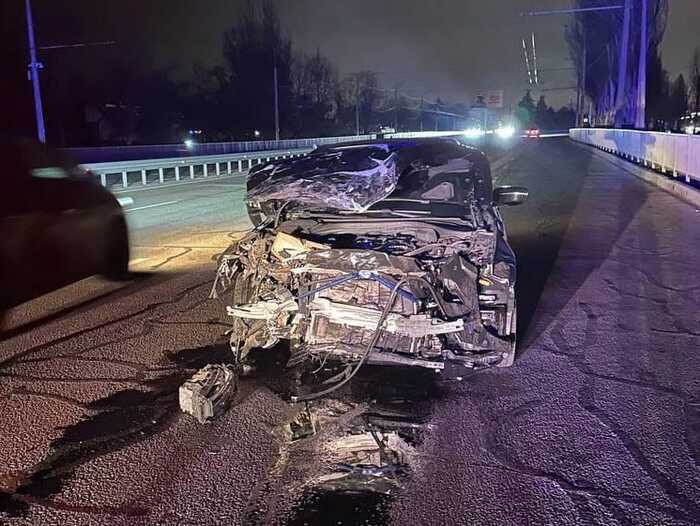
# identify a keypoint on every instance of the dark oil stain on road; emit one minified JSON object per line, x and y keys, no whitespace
{"x":397,"y":400}
{"x":320,"y":508}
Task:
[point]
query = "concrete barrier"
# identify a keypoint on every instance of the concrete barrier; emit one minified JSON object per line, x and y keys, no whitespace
{"x":674,"y":154}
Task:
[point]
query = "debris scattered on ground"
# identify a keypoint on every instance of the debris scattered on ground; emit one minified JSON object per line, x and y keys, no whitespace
{"x":303,"y":426}
{"x":208,"y":394}
{"x":372,"y":448}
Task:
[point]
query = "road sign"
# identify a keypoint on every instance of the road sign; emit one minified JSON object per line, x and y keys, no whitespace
{"x":492,"y":98}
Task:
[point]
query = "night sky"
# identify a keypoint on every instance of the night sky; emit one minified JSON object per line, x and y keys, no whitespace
{"x":446,"y":48}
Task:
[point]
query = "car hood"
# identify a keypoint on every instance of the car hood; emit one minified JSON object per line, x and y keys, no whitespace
{"x":348,"y":183}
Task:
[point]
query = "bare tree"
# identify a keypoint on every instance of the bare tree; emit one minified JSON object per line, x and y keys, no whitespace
{"x":695,"y":80}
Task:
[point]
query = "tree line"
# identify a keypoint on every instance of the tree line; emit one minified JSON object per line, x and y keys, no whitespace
{"x":122,"y":102}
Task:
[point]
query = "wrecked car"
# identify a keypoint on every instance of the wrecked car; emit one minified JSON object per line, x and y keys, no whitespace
{"x":387,"y":252}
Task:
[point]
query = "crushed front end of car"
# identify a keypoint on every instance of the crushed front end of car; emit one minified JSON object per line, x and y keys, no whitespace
{"x":384,"y":254}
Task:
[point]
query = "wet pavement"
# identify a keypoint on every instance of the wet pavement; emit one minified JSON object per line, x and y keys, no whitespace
{"x":598,"y":422}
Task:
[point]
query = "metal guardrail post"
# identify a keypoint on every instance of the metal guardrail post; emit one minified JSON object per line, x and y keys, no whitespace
{"x":240,"y":166}
{"x":160,"y":175}
{"x":144,"y":180}
{"x":192,"y":171}
{"x":218,"y":168}
{"x":177,"y":173}
{"x":125,"y":179}
{"x":205,"y":169}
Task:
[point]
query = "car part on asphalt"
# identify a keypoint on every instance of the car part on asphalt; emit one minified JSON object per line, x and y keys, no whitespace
{"x":389,"y":253}
{"x":209,"y":392}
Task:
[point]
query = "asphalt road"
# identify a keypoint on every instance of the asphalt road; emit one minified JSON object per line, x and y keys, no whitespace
{"x":598,"y":422}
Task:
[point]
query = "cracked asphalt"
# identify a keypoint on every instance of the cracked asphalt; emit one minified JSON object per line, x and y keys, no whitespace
{"x":598,"y":422}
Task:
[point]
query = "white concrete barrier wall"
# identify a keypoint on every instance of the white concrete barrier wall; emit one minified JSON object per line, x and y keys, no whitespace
{"x":673,"y":153}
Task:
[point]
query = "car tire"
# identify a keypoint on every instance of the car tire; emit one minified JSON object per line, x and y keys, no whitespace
{"x":117,"y":256}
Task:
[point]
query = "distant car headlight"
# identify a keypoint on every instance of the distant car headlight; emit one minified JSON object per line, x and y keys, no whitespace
{"x":505,"y":132}
{"x":473,"y":133}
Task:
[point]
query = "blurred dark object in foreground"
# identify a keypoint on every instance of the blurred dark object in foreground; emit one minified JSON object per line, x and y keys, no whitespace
{"x":57,"y":224}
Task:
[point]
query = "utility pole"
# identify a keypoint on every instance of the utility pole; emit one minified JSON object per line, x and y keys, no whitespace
{"x":421,"y":113}
{"x":584,"y":67}
{"x":640,"y":121}
{"x":527,"y":63}
{"x":534,"y":58}
{"x":357,"y":104}
{"x":34,"y":67}
{"x":277,"y":108}
{"x":622,"y":62}
{"x":396,"y":109}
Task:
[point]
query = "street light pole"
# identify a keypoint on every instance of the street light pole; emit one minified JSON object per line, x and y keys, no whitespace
{"x":421,"y":113}
{"x":357,"y":104}
{"x":396,"y":109}
{"x":277,"y":108}
{"x":622,"y":62}
{"x":584,"y":67}
{"x":640,"y":121}
{"x":34,"y":67}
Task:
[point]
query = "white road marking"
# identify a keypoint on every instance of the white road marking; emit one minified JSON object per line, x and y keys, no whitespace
{"x":125,"y":201}
{"x":138,"y":260}
{"x":153,"y":205}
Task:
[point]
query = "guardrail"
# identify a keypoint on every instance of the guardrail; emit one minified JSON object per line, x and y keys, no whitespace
{"x":159,"y":151}
{"x":161,"y":170}
{"x":176,"y":168}
{"x":673,"y":154}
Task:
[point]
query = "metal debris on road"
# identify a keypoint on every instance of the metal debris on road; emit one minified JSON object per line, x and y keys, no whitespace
{"x":208,"y":394}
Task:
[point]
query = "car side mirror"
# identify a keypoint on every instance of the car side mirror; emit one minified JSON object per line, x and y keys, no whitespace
{"x":510,"y":195}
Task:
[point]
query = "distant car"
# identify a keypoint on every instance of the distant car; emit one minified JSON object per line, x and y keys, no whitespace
{"x":690,"y":123}
{"x":380,"y":130}
{"x":58,"y":224}
{"x":532,"y":133}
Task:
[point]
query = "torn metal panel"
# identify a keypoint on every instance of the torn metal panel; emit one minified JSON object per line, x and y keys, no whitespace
{"x":350,"y":260}
{"x":209,"y":393}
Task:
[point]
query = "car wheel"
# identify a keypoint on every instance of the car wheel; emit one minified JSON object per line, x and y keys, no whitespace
{"x":117,"y":256}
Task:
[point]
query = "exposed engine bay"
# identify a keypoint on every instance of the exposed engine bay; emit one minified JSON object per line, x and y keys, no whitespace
{"x":418,"y":274}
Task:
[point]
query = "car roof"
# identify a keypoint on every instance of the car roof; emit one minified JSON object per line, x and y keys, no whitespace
{"x":398,"y":143}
